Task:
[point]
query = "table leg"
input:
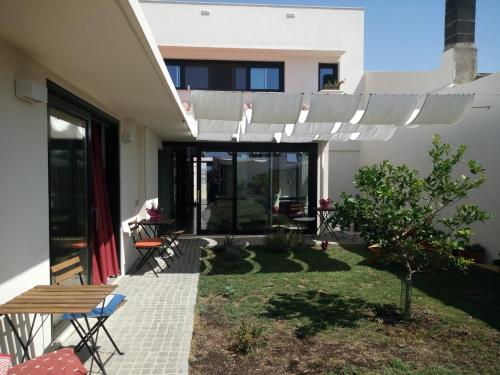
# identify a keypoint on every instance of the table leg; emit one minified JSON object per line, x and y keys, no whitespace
{"x":92,"y":348}
{"x":26,"y":345}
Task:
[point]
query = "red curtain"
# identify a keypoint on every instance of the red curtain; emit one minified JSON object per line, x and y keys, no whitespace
{"x":104,"y":257}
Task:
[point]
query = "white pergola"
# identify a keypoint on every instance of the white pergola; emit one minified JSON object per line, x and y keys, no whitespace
{"x":223,"y":116}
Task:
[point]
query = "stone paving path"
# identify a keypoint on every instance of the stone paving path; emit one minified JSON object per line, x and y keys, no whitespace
{"x":155,"y":326}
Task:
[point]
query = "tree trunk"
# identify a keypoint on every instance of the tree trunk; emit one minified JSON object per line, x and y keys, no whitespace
{"x":407,"y":281}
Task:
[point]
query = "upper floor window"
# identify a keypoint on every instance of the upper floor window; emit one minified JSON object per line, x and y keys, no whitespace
{"x":328,"y":76}
{"x":227,"y":75}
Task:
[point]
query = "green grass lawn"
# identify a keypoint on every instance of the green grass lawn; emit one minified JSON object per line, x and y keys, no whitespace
{"x":315,"y":312}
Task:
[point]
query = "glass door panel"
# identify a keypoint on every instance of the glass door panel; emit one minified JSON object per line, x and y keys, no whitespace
{"x":68,"y":189}
{"x":215,"y":191}
{"x":290,"y":172}
{"x":253,"y":210}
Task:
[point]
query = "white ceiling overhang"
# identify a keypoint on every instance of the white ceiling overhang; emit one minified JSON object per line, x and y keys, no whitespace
{"x":103,"y":49}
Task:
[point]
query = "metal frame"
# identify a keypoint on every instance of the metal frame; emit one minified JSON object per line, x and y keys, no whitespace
{"x":311,"y":148}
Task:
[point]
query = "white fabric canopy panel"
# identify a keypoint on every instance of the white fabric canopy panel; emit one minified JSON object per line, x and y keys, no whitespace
{"x":275,"y":108}
{"x":252,"y":137}
{"x":217,"y":105}
{"x":216,"y":137}
{"x":308,"y":128}
{"x":389,"y":109}
{"x":439,"y":109}
{"x":264,"y":128}
{"x":218,"y":126}
{"x":297,"y":138}
{"x":347,"y":127}
{"x":340,"y":137}
{"x":332,"y":108}
{"x":376,"y":133}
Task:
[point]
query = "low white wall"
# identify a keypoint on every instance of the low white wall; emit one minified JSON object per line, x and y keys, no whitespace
{"x":479,"y":130}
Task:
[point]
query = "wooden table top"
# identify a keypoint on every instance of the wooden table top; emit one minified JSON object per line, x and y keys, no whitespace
{"x":156,"y":222}
{"x":58,"y":299}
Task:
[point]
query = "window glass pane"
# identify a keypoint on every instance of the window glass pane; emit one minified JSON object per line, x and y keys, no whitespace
{"x":272,"y":79}
{"x":175,"y":74}
{"x":240,"y":78}
{"x":258,"y":78}
{"x":327,"y":75}
{"x":264,"y":78}
{"x":197,"y":77}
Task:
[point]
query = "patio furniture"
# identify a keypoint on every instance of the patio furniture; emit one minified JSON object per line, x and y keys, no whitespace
{"x":71,"y":268}
{"x":303,"y":222}
{"x":159,"y":230}
{"x":147,"y":247}
{"x":57,"y":299}
{"x":60,"y":362}
{"x":324,"y":215}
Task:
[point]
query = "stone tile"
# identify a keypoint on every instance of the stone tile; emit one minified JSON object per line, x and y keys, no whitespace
{"x":154,"y":327}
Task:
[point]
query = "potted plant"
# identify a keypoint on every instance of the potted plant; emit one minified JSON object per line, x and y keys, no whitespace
{"x":330,"y":83}
{"x":154,"y":212}
{"x":325,"y":203}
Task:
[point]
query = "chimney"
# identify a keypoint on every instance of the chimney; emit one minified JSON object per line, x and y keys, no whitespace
{"x":459,"y":37}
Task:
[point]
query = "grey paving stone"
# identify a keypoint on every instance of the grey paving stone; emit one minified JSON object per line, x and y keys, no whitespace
{"x":154,"y":327}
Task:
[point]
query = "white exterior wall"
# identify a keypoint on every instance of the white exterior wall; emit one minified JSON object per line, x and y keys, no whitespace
{"x":480,"y":130}
{"x":24,"y":206}
{"x":263,"y":32}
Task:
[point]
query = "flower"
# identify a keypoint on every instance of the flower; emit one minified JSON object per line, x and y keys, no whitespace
{"x":325,"y":203}
{"x":324,"y":245}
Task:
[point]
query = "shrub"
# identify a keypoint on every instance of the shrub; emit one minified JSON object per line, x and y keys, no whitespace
{"x":228,"y":291}
{"x":284,"y":240}
{"x":247,"y":336}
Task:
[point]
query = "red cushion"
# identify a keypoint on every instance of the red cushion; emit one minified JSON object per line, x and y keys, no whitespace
{"x":153,"y":242}
{"x":60,"y":362}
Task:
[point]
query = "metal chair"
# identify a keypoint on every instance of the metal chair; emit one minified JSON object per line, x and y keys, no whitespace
{"x":102,"y":312}
{"x":147,"y":247}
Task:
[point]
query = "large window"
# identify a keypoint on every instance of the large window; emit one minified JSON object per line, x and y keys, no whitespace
{"x":227,"y":75}
{"x":328,"y":76}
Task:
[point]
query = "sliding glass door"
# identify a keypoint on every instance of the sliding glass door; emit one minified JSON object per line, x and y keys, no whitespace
{"x":68,"y":187}
{"x":253,"y":208}
{"x":254,"y":188}
{"x":215,"y":194}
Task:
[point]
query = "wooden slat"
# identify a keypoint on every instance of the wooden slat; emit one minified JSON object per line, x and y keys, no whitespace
{"x":60,"y":266}
{"x":49,"y":310}
{"x":74,"y":287}
{"x":68,"y":275}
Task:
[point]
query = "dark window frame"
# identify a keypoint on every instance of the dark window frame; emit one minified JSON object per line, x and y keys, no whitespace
{"x":335,"y":67}
{"x":182,"y":63}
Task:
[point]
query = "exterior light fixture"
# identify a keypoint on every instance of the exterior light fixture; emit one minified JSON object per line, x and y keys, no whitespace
{"x":205,"y":12}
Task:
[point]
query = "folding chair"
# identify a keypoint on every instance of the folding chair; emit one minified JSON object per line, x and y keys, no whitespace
{"x":147,"y":247}
{"x":171,"y":240}
{"x":69,"y":269}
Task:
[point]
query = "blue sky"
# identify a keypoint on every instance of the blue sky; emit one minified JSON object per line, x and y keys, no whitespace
{"x":408,"y":34}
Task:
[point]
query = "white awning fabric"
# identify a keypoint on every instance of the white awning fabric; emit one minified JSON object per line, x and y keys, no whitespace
{"x":264,"y":128}
{"x":313,"y":128}
{"x":441,"y":109}
{"x":217,"y":105}
{"x":389,"y":109}
{"x":275,"y":108}
{"x":332,"y":107}
{"x":217,"y":137}
{"x":221,"y":115}
{"x":218,"y":126}
{"x":296,"y":138}
{"x":376,"y":133}
{"x":253,"y":137}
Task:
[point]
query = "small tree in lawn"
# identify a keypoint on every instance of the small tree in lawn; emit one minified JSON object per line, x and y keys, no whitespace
{"x":419,"y":222}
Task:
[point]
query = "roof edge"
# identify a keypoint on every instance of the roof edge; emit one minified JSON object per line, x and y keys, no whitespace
{"x":207,"y":3}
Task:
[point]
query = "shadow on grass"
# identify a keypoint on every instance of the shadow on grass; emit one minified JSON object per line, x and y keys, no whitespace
{"x":257,"y":259}
{"x":319,"y":311}
{"x":476,"y":292}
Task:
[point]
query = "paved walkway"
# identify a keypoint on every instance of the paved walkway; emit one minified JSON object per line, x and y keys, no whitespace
{"x":155,"y":326}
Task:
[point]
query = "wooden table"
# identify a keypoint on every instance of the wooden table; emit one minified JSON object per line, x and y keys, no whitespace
{"x":58,"y":299}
